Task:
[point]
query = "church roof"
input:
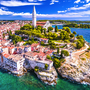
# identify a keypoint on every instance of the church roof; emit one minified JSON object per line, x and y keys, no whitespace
{"x":40,"y":23}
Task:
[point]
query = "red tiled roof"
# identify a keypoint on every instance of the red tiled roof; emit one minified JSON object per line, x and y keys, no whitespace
{"x":34,"y":44}
{"x":44,"y":38}
{"x":10,"y":47}
{"x":41,"y":23}
{"x":6,"y":55}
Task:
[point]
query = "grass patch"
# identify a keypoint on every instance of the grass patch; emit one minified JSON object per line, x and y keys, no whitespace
{"x":88,"y":54}
{"x":58,"y":41}
{"x":83,"y":58}
{"x":82,"y":54}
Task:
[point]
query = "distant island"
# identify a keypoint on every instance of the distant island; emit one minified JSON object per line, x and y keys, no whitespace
{"x":74,"y":25}
{"x":65,"y":21}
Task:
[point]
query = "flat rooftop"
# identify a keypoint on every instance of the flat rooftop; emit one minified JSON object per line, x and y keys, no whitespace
{"x":16,"y":57}
{"x":37,"y":59}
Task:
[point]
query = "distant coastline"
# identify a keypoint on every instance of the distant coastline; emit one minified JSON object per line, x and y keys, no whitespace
{"x":56,"y":24}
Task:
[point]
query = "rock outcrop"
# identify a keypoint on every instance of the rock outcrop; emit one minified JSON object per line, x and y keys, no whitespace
{"x":78,"y":71}
{"x":48,"y":76}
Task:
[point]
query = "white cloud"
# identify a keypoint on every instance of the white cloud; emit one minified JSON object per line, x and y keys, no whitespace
{"x":80,"y":1}
{"x":4,"y":8}
{"x":53,"y":1}
{"x":41,"y":0}
{"x":21,"y":14}
{"x":77,"y":1}
{"x":62,"y":11}
{"x":63,"y":15}
{"x":87,"y":1}
{"x":80,"y":8}
{"x":84,"y":7}
{"x":3,"y":12}
{"x":17,"y":3}
{"x":29,"y":15}
{"x":66,"y":15}
{"x":30,"y":0}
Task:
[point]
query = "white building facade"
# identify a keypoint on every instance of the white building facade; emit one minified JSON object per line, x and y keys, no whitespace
{"x":47,"y":25}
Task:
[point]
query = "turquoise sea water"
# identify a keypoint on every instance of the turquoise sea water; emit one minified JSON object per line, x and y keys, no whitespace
{"x":30,"y":82}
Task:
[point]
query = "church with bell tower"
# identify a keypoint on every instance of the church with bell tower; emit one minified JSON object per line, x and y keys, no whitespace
{"x":35,"y":23}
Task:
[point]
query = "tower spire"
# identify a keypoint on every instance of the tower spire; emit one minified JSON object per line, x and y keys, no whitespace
{"x":34,"y":17}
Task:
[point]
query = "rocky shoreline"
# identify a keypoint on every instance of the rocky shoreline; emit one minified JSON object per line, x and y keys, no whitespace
{"x":79,"y":73}
{"x":49,"y":77}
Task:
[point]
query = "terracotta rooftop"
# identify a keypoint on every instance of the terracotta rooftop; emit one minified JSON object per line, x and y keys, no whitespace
{"x":39,"y":57}
{"x":6,"y":55}
{"x":16,"y":57}
{"x":35,"y":44}
{"x":44,"y":38}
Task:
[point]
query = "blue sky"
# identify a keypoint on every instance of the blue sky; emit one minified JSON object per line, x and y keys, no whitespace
{"x":46,"y":9}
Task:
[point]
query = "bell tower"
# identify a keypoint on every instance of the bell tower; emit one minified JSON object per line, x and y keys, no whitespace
{"x":34,"y":17}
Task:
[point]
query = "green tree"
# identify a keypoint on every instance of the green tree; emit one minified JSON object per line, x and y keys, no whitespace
{"x":74,"y":33}
{"x":42,"y":43}
{"x":58,"y":50}
{"x":65,"y":53}
{"x":10,"y":32}
{"x":64,"y":35}
{"x":50,"y":29}
{"x":10,"y":36}
{"x":26,"y":27}
{"x":89,"y":49}
{"x":79,"y":44}
{"x":16,"y":38}
{"x":39,"y":27}
{"x":36,"y":69}
{"x":41,"y":30}
{"x":53,"y":46}
{"x":80,"y":37}
{"x":67,"y":29}
{"x":3,"y":35}
{"x":48,"y":57}
{"x":32,"y":40}
{"x":74,"y":45}
{"x":57,"y":63}
{"x":44,"y":30}
{"x":46,"y":66}
{"x":56,"y":28}
{"x":61,"y":36}
{"x":7,"y":31}
{"x":54,"y":35}
{"x":66,"y":41}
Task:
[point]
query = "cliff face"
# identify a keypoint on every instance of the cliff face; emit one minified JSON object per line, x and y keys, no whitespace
{"x":48,"y":76}
{"x":76,"y":70}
